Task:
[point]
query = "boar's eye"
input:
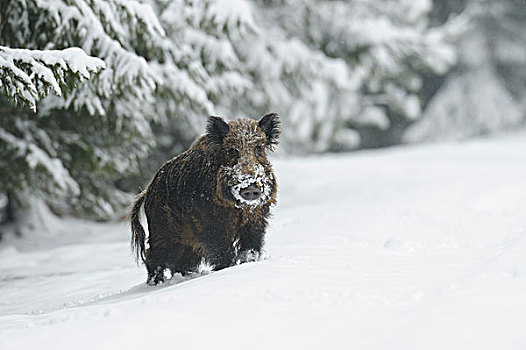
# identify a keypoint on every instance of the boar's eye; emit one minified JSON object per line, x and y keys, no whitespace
{"x":232,"y":153}
{"x":258,"y":150}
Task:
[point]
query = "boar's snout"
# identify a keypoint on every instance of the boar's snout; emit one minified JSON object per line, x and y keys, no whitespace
{"x":250,"y":193}
{"x":249,"y":187}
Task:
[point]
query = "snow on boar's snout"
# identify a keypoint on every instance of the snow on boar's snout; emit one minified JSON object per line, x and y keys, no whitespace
{"x":210,"y":203}
{"x":248,"y":183}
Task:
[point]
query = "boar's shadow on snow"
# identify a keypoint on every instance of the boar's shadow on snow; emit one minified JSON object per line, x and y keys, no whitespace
{"x":211,"y":203}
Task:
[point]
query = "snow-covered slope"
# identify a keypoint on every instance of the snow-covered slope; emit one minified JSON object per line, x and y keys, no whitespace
{"x":407,"y":248}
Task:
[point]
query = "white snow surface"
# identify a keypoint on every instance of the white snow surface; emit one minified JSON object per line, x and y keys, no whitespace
{"x":420,"y":247}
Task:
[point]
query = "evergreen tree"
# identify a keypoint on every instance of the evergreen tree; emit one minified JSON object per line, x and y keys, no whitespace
{"x":168,"y":63}
{"x":344,"y":73}
{"x":201,"y":67}
{"x":334,"y":70}
{"x":26,"y":76}
{"x":201,"y":74}
{"x":340,"y":73}
{"x":77,"y":144}
{"x":485,"y":91}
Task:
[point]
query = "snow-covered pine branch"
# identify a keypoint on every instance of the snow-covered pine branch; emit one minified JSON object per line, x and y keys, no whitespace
{"x":487,"y":91}
{"x":300,"y":82}
{"x":379,"y":49}
{"x":100,"y":128}
{"x":26,"y":76}
{"x":201,"y":71}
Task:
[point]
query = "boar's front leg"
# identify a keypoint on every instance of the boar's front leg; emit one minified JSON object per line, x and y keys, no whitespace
{"x":251,"y":242}
{"x":222,"y":257}
{"x":220,"y":251}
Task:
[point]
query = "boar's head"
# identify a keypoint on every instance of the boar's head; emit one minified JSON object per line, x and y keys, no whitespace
{"x":245,"y":178}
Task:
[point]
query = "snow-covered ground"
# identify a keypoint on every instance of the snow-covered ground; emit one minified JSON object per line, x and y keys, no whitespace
{"x":407,"y":248}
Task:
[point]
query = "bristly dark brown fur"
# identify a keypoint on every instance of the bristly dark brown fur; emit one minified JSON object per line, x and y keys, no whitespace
{"x":191,"y":206}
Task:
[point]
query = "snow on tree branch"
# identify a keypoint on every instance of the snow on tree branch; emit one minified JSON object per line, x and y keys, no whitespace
{"x":26,"y":76}
{"x":36,"y":158}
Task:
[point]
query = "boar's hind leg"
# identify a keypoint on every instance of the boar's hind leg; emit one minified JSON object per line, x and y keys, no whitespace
{"x":159,"y":254}
{"x":157,"y":258}
{"x":155,"y":267}
{"x":185,"y":261}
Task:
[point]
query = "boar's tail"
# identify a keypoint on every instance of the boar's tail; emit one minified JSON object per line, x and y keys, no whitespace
{"x":138,"y":236}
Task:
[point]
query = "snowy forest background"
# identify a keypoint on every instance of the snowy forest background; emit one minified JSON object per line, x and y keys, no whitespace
{"x":95,"y":94}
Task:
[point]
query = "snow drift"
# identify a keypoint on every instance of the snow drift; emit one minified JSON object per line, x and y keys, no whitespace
{"x":407,"y":248}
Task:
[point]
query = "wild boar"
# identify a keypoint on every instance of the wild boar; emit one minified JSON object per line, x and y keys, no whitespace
{"x":211,"y":203}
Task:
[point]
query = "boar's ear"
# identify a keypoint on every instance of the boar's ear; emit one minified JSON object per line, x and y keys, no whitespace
{"x":216,"y":129}
{"x":270,"y":124}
